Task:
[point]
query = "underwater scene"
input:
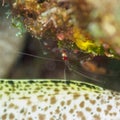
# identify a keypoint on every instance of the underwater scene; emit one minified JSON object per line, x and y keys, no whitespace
{"x":59,"y":60}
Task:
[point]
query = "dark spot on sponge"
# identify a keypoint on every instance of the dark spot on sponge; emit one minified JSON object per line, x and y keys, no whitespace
{"x":11,"y":82}
{"x":31,"y":81}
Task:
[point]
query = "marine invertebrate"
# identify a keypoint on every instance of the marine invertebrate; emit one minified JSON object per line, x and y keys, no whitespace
{"x":52,"y":99}
{"x":57,"y":100}
{"x":61,"y":18}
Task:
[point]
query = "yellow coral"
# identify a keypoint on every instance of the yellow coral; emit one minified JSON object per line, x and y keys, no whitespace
{"x":81,"y":41}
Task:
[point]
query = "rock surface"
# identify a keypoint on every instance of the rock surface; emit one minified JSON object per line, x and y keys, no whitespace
{"x":9,"y":44}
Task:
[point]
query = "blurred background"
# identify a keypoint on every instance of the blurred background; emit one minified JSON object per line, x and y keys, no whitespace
{"x":27,"y":58}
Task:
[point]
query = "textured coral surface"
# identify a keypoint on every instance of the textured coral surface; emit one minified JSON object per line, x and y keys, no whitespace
{"x":97,"y":24}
